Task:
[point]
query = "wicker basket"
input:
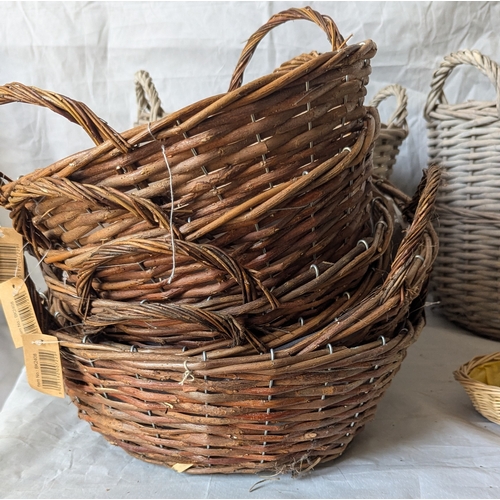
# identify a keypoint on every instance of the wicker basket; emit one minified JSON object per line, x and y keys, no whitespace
{"x":269,"y":174}
{"x":465,"y":140}
{"x":223,"y":409}
{"x":230,"y":290}
{"x":393,"y":133}
{"x":484,"y":394}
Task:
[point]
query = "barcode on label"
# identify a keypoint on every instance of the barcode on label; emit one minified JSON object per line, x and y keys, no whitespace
{"x":43,"y":364}
{"x":19,"y":313}
{"x":9,"y":261}
{"x":49,"y":370}
{"x":28,"y":323}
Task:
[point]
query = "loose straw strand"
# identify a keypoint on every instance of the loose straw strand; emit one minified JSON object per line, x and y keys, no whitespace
{"x":187,"y":374}
{"x":171,"y":220}
{"x":172,"y":239}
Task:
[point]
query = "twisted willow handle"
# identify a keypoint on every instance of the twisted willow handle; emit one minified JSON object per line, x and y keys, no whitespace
{"x":421,"y":207}
{"x":75,"y":111}
{"x":324,"y":22}
{"x":148,"y":101}
{"x":398,"y":117}
{"x":471,"y":57}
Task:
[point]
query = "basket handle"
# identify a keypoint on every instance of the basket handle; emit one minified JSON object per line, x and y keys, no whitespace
{"x":398,"y":117}
{"x":422,"y":205}
{"x":472,"y":57}
{"x":148,"y":101}
{"x":324,"y":22}
{"x":75,"y":111}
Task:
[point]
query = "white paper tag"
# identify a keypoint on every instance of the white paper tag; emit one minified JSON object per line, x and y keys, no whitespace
{"x":11,"y":254}
{"x":41,"y":352}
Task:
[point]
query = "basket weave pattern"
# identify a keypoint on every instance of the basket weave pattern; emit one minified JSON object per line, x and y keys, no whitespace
{"x":230,"y":289}
{"x":223,"y":409}
{"x":464,"y":139}
{"x":235,"y":413}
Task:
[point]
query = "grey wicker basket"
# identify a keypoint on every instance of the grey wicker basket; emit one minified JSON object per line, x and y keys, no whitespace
{"x":149,"y":107}
{"x":393,"y":133}
{"x":464,"y":139}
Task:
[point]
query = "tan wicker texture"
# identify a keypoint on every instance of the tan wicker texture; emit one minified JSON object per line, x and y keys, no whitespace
{"x":230,"y":289}
{"x":464,"y":139}
{"x":393,"y":133}
{"x":484,"y":397}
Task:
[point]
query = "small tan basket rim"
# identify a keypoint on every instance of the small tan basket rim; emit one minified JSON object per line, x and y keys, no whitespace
{"x":484,"y":397}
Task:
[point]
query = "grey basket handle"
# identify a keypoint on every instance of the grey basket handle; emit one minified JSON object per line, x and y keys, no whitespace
{"x":398,"y":117}
{"x":148,"y":101}
{"x":472,"y":57}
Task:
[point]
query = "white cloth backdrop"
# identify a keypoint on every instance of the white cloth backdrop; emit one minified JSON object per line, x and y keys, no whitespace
{"x":90,"y":51}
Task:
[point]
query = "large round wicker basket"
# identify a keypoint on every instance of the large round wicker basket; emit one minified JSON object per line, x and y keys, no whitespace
{"x":464,"y":139}
{"x":230,"y":290}
{"x":258,"y":182}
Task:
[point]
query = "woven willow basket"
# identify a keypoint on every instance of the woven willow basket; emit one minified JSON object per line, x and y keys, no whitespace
{"x":464,"y":139}
{"x":393,"y":133}
{"x":228,"y":409}
{"x":485,"y":397}
{"x":231,"y":291}
{"x":258,"y":182}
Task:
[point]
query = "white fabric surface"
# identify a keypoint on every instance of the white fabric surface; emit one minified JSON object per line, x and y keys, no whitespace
{"x":426,"y":441}
{"x":90,"y":51}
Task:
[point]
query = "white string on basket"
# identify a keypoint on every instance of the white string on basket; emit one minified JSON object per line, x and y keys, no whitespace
{"x":171,"y":219}
{"x":37,"y":264}
{"x":171,"y":222}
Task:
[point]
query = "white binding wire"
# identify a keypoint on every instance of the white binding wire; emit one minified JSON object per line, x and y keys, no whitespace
{"x":171,"y":222}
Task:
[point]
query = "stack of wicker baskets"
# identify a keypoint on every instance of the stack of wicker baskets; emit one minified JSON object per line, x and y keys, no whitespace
{"x":464,"y":139}
{"x":393,"y":133}
{"x":230,"y":290}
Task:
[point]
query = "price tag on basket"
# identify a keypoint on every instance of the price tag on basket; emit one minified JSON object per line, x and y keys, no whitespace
{"x":41,"y":352}
{"x":11,"y":254}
